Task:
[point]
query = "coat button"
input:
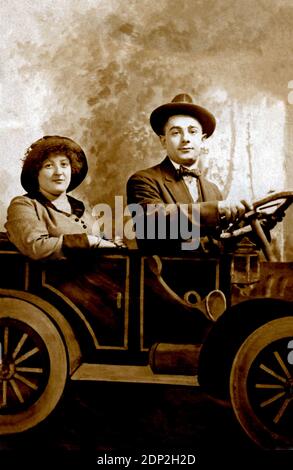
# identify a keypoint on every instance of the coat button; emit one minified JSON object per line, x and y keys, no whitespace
{"x":76,"y":219}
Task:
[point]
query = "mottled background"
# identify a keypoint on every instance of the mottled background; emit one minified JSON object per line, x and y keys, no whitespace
{"x":94,"y":70}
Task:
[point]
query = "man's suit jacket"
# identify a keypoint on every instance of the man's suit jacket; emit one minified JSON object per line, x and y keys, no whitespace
{"x":160,"y":185}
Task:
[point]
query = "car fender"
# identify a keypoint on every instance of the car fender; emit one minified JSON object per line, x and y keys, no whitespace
{"x":66,"y":332}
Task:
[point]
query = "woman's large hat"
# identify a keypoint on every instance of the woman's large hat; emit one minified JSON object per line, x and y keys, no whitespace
{"x":182,"y":104}
{"x":47,"y":144}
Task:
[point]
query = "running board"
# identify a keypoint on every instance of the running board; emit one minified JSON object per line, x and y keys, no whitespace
{"x":139,"y":374}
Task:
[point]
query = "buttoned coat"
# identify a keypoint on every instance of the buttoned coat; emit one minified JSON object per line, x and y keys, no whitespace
{"x":160,"y":185}
{"x":40,"y":231}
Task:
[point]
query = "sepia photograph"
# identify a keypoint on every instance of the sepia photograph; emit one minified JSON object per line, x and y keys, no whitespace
{"x":146,"y":243}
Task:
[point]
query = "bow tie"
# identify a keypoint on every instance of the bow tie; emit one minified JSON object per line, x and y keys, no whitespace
{"x":183,"y":171}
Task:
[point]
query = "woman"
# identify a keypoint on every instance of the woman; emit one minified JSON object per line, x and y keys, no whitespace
{"x":46,"y":223}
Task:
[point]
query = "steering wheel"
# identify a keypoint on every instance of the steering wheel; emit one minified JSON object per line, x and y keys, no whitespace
{"x":259,"y":219}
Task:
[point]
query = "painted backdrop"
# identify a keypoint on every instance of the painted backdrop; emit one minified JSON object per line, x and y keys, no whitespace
{"x":94,"y":70}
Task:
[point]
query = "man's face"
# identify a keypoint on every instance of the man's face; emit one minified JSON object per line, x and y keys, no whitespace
{"x":183,"y":138}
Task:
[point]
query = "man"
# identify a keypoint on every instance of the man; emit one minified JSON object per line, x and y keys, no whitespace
{"x":175,"y":189}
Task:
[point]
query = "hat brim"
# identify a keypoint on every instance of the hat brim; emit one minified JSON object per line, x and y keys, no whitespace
{"x":45,"y":144}
{"x":160,"y":116}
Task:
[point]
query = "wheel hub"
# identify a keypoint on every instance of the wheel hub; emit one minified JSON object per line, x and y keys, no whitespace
{"x":23,"y":366}
{"x":7,"y":370}
{"x":289,"y":387}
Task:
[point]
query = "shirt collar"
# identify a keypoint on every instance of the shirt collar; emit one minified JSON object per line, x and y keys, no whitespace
{"x":177,"y":165}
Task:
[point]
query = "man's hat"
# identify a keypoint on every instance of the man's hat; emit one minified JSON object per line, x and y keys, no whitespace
{"x":38,"y":152}
{"x":182,"y":104}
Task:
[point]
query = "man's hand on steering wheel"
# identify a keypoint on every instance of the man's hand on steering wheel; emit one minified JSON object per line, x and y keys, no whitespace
{"x":230,"y":210}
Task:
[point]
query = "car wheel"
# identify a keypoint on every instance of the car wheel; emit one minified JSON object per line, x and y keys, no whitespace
{"x":33,"y":365}
{"x":261,"y":384}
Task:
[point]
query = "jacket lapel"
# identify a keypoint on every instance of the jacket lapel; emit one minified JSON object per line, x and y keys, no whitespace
{"x":176,"y":187}
{"x":207,"y":190}
{"x":77,"y":206}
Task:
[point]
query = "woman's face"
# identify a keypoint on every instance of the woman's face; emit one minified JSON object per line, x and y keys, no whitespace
{"x":55,"y":175}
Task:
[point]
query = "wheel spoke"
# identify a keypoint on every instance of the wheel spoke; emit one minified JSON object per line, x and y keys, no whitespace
{"x":271,"y":400}
{"x":274,"y":374}
{"x":34,"y":370}
{"x":26,"y":381}
{"x":16,"y":390}
{"x":26,"y":355}
{"x":4,"y":393}
{"x":268,"y":386}
{"x":282,"y":410}
{"x":5,"y":352}
{"x":19,"y":345}
{"x":281,"y":362}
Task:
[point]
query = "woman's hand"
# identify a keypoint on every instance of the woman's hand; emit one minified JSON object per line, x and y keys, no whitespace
{"x":94,"y":241}
{"x":106,"y":244}
{"x":119,"y":242}
{"x":99,"y":242}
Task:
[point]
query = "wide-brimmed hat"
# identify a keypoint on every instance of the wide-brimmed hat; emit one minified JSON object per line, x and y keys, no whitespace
{"x":182,"y":104}
{"x":38,"y":151}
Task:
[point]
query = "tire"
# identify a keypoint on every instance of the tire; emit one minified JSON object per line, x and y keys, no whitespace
{"x":227,"y":335}
{"x":33,"y":367}
{"x":261,"y":385}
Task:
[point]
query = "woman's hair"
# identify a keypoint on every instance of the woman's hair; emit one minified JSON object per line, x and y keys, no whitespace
{"x":41,"y":150}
